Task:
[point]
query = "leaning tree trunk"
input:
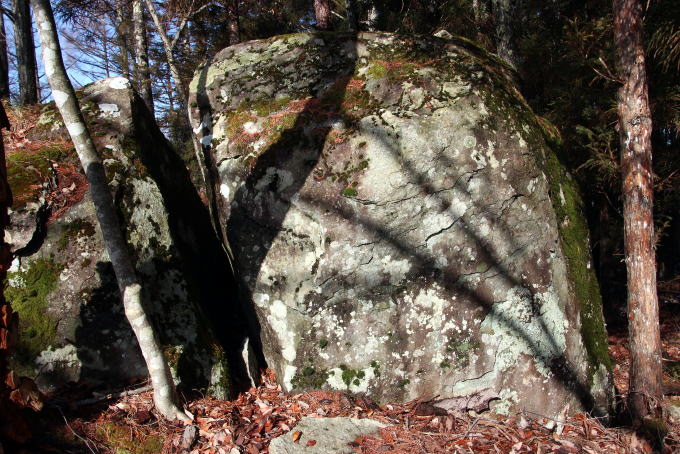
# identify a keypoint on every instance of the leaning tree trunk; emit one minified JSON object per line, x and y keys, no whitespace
{"x":23,"y":41}
{"x":142,"y":60}
{"x":322,"y":11}
{"x":4,"y":63}
{"x":635,"y":127}
{"x":165,"y":397}
{"x":234,"y":24}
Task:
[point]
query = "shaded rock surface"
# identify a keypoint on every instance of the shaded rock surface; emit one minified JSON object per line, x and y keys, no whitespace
{"x":73,"y":328}
{"x":324,"y":435}
{"x":399,"y":222}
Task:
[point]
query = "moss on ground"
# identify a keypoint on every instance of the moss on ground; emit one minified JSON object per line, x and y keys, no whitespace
{"x":27,"y":291}
{"x":124,"y":441}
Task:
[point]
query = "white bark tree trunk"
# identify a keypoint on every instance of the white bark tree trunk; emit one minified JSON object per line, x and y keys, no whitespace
{"x":165,"y":397}
{"x":141,"y":54}
{"x":168,"y":47}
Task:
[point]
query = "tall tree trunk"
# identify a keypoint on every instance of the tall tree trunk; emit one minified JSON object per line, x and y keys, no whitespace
{"x":322,"y":11}
{"x":234,"y":24}
{"x":635,"y":127}
{"x":165,"y":397}
{"x":4,"y":63}
{"x":122,"y":42}
{"x":168,"y":47}
{"x":506,"y":14}
{"x":352,"y":15}
{"x":23,"y":39}
{"x":142,"y":60}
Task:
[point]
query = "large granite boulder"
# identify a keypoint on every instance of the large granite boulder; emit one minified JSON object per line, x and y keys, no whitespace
{"x":62,"y":284}
{"x":399,"y":222}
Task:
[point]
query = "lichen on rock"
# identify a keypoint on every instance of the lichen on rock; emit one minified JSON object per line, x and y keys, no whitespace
{"x":387,"y":203}
{"x":73,"y":325}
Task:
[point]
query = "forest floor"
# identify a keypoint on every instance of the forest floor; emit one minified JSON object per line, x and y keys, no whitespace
{"x":128,"y":425}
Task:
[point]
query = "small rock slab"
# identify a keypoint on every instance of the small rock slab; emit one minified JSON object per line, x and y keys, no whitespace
{"x":330,"y":435}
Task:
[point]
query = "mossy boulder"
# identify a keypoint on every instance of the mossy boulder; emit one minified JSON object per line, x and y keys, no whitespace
{"x":399,"y":222}
{"x":62,"y":284}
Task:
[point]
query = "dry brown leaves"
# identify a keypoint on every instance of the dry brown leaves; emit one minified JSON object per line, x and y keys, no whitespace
{"x":248,"y":424}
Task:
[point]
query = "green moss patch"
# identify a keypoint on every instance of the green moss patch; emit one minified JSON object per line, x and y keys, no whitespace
{"x":309,"y":378}
{"x":27,"y":291}
{"x":124,"y":441}
{"x":28,"y":170}
{"x":574,"y":236}
{"x":460,"y":350}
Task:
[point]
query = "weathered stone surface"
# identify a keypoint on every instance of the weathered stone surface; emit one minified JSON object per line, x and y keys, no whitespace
{"x":71,"y":318}
{"x":399,"y":222}
{"x":330,"y":435}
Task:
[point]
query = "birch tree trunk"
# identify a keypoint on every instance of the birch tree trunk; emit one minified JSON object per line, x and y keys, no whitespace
{"x":4,"y":62}
{"x":635,"y":125}
{"x":142,"y":56}
{"x":23,"y":41}
{"x":322,"y":11}
{"x":168,"y":47}
{"x":165,"y":397}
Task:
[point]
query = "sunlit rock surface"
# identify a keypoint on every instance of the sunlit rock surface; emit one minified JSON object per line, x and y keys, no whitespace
{"x":399,"y":223}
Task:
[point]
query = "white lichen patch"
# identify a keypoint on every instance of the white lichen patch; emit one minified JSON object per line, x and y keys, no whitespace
{"x":109,"y":110}
{"x":280,"y":323}
{"x":526,"y":324}
{"x":288,"y":375}
{"x":224,"y":190}
{"x":63,"y":361}
{"x":148,"y":218}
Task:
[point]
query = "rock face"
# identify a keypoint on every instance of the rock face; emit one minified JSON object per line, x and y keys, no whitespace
{"x":62,"y":283}
{"x":399,"y":222}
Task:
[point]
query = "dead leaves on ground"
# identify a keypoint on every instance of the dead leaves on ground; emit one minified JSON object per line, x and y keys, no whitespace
{"x":248,"y":424}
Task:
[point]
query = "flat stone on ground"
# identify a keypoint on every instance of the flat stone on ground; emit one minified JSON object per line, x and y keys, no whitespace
{"x":331,"y":435}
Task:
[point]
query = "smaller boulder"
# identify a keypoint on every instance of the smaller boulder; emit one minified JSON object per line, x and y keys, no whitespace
{"x":324,"y":436}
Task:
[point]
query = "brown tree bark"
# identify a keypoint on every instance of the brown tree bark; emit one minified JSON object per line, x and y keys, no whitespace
{"x":25,"y":51}
{"x":635,"y":125}
{"x":322,"y":11}
{"x":165,"y":396}
{"x":234,"y":24}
